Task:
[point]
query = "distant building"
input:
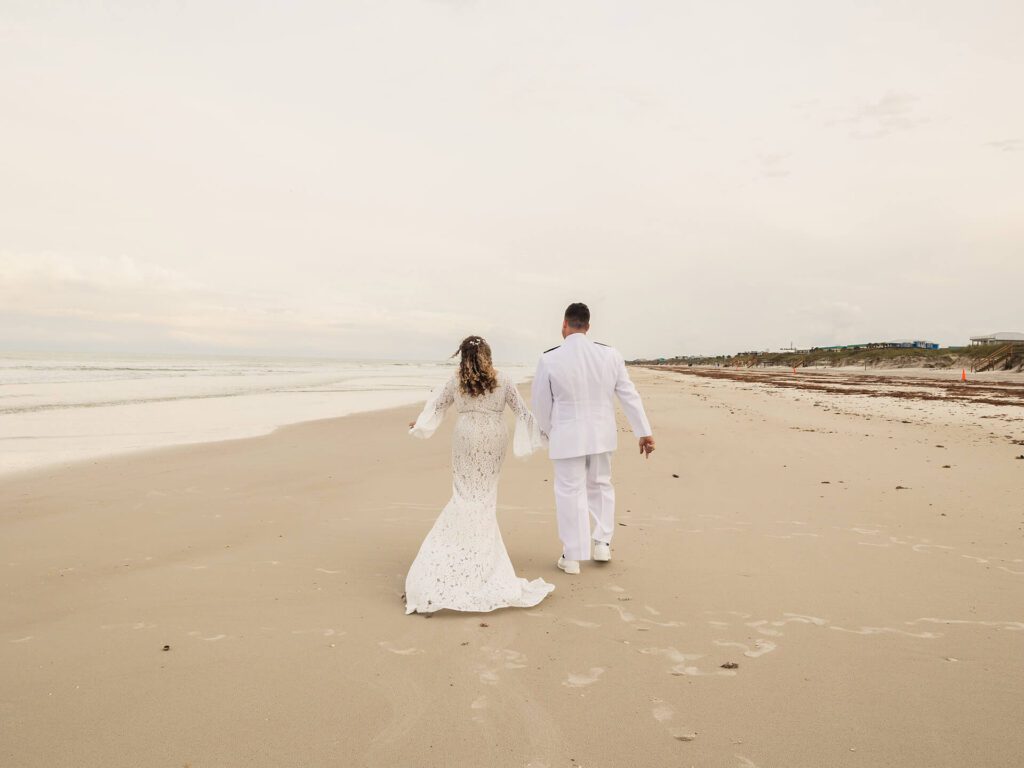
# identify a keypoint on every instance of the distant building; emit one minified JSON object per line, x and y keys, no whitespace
{"x":913,"y":344}
{"x":898,"y":344}
{"x":1004,"y":337}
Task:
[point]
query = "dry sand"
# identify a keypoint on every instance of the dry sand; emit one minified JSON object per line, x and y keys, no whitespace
{"x":871,"y":625}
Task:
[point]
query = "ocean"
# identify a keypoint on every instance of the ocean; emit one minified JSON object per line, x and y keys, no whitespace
{"x":68,"y":408}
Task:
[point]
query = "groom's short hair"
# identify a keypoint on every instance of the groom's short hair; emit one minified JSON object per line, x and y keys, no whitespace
{"x":577,"y":315}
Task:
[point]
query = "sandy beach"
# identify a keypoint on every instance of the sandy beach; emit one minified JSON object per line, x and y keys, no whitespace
{"x":801,"y":577}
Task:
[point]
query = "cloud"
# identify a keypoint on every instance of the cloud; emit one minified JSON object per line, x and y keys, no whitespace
{"x":82,"y":299}
{"x":11,"y":28}
{"x":828,"y":322}
{"x":1006,"y":145}
{"x":893,"y":112}
{"x":771,"y":165}
{"x":103,"y":273}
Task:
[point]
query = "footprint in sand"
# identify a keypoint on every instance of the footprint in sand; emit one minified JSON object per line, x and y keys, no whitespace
{"x":888,"y":630}
{"x":740,"y":614}
{"x":400,"y":651}
{"x":924,"y":547}
{"x":625,"y":615}
{"x":1012,"y":626}
{"x":761,"y":647}
{"x":505,"y":658}
{"x":759,"y":626}
{"x":662,"y":712}
{"x":581,"y":681}
{"x":509,"y":658}
{"x":324,"y":632}
{"x":629,"y":618}
{"x":196,"y":633}
{"x":479,"y":704}
{"x":790,"y":618}
{"x":681,"y":662}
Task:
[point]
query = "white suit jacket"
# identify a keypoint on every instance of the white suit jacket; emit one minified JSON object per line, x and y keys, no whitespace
{"x":573,"y":398}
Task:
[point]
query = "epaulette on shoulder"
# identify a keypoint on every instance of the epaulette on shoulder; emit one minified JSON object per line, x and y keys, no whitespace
{"x":552,"y":349}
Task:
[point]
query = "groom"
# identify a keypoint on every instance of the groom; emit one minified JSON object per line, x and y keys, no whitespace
{"x":573,"y":398}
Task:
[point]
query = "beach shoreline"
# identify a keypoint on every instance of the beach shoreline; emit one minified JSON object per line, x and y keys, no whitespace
{"x":62,"y":409}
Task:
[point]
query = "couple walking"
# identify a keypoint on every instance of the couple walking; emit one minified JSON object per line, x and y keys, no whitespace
{"x":463,"y":564}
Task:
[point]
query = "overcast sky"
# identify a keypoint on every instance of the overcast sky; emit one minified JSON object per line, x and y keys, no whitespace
{"x":381,"y":178}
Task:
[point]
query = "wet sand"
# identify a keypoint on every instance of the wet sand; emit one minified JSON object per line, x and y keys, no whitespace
{"x":858,"y":558}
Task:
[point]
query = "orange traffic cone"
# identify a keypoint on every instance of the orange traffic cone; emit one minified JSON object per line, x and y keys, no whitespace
{"x":963,"y":374}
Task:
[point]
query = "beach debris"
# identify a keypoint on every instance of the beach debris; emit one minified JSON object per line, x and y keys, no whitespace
{"x":166,"y":648}
{"x":484,"y":624}
{"x":826,"y":482}
{"x":946,"y":466}
{"x":940,"y":446}
{"x":623,"y":525}
{"x":465,"y":643}
{"x":685,"y":736}
{"x":902,"y":488}
{"x":730,"y":665}
{"x":1021,"y":456}
{"x":675,"y":475}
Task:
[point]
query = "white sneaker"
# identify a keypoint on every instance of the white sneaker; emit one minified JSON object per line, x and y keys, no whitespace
{"x":572,"y":567}
{"x":602,"y":551}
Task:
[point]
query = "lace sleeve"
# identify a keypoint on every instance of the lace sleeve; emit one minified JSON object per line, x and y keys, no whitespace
{"x":433,"y":412}
{"x":527,"y":438}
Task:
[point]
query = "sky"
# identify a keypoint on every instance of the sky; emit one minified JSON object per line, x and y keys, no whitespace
{"x":379,"y":179}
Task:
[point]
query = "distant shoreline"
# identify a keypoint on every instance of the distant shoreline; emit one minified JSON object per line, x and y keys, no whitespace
{"x":1005,"y":358}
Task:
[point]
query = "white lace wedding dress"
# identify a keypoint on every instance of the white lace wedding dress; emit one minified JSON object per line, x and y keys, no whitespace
{"x":463,"y":565}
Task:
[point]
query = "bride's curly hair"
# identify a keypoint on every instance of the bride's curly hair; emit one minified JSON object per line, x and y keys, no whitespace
{"x":476,"y":371}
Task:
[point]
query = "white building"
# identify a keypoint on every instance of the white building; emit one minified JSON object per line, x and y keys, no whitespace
{"x":1004,"y":337}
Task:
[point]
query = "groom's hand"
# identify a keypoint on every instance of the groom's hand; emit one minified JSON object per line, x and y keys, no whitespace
{"x":647,"y":446}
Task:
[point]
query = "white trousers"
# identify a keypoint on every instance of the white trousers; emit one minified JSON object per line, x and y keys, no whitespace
{"x":583,"y":490}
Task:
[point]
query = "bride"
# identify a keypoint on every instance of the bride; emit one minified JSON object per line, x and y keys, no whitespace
{"x":462,"y":564}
